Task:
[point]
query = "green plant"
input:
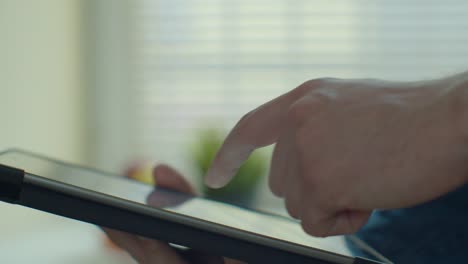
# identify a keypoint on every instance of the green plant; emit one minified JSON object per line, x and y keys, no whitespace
{"x":243,"y":185}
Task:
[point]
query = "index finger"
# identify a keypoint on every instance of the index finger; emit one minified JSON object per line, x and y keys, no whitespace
{"x":258,"y":128}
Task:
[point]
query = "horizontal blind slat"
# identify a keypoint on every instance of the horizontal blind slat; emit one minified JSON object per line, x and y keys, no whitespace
{"x":210,"y":61}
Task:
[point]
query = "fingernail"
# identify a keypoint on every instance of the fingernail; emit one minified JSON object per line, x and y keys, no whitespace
{"x":211,"y":180}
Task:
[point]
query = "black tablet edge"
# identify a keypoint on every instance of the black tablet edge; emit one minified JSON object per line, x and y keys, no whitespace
{"x":11,"y":182}
{"x":15,"y":190}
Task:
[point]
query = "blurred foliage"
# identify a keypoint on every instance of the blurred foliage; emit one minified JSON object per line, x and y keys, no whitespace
{"x":247,"y":178}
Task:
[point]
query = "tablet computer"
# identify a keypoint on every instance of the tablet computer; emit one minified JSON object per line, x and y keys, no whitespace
{"x":117,"y":202}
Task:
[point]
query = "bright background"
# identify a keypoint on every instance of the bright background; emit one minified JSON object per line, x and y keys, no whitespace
{"x":108,"y":82}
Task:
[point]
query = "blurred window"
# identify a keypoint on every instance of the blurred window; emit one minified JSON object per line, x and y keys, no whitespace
{"x":198,"y":63}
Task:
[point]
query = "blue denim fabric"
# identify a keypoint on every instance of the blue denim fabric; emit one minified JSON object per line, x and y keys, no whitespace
{"x":434,"y":232}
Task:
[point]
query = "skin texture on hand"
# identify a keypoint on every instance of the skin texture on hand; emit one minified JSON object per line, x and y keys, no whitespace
{"x":149,"y":251}
{"x":347,"y":147}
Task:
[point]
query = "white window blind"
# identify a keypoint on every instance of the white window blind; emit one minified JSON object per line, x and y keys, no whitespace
{"x":207,"y":62}
{"x":199,"y":62}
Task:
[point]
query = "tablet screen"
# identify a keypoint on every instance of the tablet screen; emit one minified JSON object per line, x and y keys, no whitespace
{"x":268,"y":225}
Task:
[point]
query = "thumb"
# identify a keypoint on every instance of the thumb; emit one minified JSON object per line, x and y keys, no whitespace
{"x":169,"y":178}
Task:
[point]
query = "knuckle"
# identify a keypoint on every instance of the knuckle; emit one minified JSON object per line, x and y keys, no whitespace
{"x":320,"y":99}
{"x":291,"y":208}
{"x":307,"y":169}
{"x":308,"y":108}
{"x":312,"y":229}
{"x":303,"y":89}
{"x":308,"y":102}
{"x":313,"y":84}
{"x":319,"y":82}
{"x":298,"y":112}
{"x":275,"y":187}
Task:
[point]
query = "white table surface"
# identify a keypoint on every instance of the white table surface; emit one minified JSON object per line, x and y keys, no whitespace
{"x":31,"y":236}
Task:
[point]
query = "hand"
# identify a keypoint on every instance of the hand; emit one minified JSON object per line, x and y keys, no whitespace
{"x":148,"y":251}
{"x":346,"y":147}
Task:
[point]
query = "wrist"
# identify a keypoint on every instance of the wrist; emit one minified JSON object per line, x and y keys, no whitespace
{"x":458,"y":92}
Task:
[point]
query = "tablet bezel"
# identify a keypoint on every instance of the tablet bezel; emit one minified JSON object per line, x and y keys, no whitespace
{"x":102,"y":209}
